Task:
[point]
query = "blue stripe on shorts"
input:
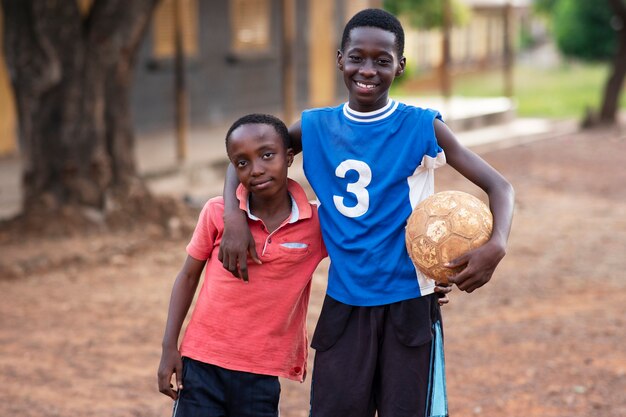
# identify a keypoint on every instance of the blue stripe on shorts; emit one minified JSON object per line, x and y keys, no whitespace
{"x":437,"y":401}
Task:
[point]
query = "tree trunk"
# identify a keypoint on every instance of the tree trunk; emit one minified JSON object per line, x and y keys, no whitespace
{"x":71,"y":75}
{"x":615,"y":82}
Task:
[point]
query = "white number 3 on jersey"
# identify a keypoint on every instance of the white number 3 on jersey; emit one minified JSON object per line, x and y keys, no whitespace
{"x":357,"y":188}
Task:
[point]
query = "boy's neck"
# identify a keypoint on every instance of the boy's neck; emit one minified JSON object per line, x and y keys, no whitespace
{"x":272,"y":211}
{"x":357,"y":107}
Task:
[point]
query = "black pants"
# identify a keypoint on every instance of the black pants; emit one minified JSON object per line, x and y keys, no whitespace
{"x":386,"y":359}
{"x":211,"y":391}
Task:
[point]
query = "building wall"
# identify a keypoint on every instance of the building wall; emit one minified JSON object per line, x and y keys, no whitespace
{"x":477,"y":45}
{"x":220,"y":83}
{"x":223,"y":84}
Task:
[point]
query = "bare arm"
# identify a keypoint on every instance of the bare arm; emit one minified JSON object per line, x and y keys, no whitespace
{"x":182,"y":295}
{"x":295,"y":134}
{"x":481,"y":262}
{"x":237,"y":240}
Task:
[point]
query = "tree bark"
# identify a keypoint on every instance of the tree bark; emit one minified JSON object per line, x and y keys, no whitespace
{"x":71,"y":76}
{"x":615,"y":82}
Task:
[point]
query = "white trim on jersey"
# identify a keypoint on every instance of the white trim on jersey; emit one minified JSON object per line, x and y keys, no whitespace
{"x":371,"y":116}
{"x":422,"y":182}
{"x":422,"y":185}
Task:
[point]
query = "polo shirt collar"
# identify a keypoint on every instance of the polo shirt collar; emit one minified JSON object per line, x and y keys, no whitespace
{"x":300,"y":206}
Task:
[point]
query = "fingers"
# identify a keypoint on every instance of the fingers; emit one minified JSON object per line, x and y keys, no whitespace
{"x":179,"y":376}
{"x":459,"y":280}
{"x":230,"y":263}
{"x":165,"y":387}
{"x":244,"y":271}
{"x":457,"y":262}
{"x":470,"y":286}
{"x":237,"y":264}
{"x":443,"y":288}
{"x":442,"y":291}
{"x":252,"y":251}
{"x":468,"y":281}
{"x":443,"y":300}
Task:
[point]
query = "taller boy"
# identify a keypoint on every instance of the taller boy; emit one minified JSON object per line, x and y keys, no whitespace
{"x":378,"y":340}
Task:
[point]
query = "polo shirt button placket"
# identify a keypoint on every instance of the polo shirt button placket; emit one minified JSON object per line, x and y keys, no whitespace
{"x":268,"y":241}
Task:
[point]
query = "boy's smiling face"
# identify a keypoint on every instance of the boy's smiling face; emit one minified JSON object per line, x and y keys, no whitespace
{"x":260,"y":158}
{"x":370,"y":63}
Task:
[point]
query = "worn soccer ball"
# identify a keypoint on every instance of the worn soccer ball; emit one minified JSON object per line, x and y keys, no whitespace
{"x":443,"y":227}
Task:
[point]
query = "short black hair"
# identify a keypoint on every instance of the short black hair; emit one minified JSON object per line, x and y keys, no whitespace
{"x":377,"y":18}
{"x":262,"y":119}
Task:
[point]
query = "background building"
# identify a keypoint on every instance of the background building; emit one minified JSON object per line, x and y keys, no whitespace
{"x":234,"y":57}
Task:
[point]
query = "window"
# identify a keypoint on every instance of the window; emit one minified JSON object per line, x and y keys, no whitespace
{"x":250,"y":25}
{"x":163,"y":28}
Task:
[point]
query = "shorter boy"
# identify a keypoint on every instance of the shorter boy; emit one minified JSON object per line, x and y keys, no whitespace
{"x":243,"y":336}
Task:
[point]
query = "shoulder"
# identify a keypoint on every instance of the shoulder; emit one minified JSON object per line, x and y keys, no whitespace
{"x":213,"y":209}
{"x":321,"y":111}
{"x":425,"y":113}
{"x":299,"y":196}
{"x":215,"y":203}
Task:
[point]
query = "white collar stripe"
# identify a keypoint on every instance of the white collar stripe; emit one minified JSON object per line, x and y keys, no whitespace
{"x":295,"y":211}
{"x":372,"y":116}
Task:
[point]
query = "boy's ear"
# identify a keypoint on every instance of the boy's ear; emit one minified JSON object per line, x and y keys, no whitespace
{"x":339,"y":60}
{"x":401,"y":66}
{"x":290,"y":156}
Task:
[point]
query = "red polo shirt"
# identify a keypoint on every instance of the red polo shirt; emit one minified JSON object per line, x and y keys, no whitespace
{"x":260,"y":326}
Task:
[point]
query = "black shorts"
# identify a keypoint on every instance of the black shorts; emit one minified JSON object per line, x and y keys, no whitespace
{"x":386,"y":359}
{"x":211,"y":391}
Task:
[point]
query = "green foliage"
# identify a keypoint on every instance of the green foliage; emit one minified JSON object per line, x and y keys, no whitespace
{"x":545,"y":7}
{"x":426,"y":14}
{"x":583,"y":29}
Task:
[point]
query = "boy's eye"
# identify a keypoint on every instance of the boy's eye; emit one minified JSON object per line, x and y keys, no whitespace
{"x":354,"y":58}
{"x":384,"y":61}
{"x":241,"y":164}
{"x":268,"y":155}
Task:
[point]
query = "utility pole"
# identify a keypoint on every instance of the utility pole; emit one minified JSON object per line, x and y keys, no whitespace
{"x":180,"y":86}
{"x":508,"y":50}
{"x":444,"y":69}
{"x":288,"y":69}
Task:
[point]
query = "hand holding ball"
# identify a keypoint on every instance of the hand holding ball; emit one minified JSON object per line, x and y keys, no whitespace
{"x":443,"y":227}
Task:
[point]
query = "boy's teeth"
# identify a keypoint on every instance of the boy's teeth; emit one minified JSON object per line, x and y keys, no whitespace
{"x":365,"y":85}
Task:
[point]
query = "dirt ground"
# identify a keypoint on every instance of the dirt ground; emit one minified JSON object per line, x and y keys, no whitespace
{"x":81,"y":319}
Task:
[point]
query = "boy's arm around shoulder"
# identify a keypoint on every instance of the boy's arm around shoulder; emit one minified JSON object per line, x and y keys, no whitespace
{"x":295,"y":134}
{"x":183,"y":292}
{"x":481,"y":262}
{"x":237,"y":241}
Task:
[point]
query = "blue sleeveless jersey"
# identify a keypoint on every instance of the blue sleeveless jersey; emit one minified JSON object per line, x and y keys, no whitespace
{"x":368,"y":171}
